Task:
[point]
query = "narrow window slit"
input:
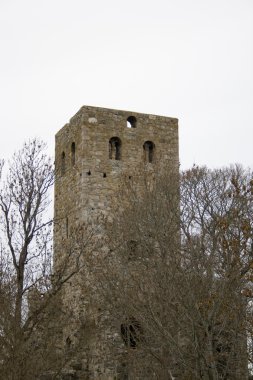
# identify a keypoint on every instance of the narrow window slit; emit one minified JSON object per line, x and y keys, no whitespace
{"x":63,"y":163}
{"x":73,"y":153}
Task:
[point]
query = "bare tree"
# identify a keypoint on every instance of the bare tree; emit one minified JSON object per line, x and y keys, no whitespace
{"x":35,"y":313}
{"x":24,"y":201}
{"x":25,"y":239}
{"x":217,"y":209}
{"x":181,"y":302}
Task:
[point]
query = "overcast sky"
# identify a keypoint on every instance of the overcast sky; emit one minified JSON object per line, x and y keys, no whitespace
{"x":190,"y":59}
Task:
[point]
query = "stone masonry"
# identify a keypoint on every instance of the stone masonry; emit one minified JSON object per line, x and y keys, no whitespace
{"x":93,"y":152}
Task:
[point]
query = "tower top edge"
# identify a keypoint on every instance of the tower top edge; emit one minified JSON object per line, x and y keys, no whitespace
{"x":87,"y":111}
{"x":120,"y":111}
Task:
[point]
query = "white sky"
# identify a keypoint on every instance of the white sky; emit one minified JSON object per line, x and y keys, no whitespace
{"x":191,"y":59}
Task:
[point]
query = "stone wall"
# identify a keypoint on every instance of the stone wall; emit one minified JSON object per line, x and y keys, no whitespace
{"x":96,"y":150}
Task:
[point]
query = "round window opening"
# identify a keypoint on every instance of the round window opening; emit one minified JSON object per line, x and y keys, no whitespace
{"x":131,"y":122}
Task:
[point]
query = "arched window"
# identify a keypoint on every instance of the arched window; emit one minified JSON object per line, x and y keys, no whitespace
{"x":73,"y":153}
{"x":149,"y":148}
{"x":131,"y":122}
{"x":131,"y":332}
{"x":115,"y":148}
{"x":63,"y":163}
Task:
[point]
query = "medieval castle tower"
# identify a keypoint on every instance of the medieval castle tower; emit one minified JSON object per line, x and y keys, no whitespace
{"x":93,"y":151}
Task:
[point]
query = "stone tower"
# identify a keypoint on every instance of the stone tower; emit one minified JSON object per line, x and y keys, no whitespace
{"x":93,"y":151}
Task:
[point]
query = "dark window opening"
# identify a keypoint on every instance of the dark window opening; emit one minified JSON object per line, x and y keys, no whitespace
{"x":131,"y":333}
{"x":89,"y":172}
{"x":149,"y":148}
{"x":73,"y":153}
{"x":131,"y":122}
{"x":104,"y":175}
{"x":115,"y":148}
{"x":68,"y":342}
{"x":63,"y":163}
